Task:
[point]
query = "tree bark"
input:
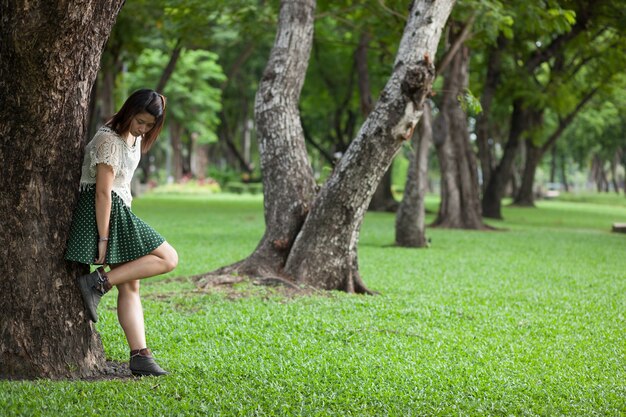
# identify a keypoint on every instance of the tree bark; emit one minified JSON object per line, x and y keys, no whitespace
{"x":460,"y":198}
{"x":170,"y":67}
{"x":318,"y":238}
{"x":599,"y":174}
{"x":521,"y":120}
{"x":102,"y":97}
{"x":614,"y":161}
{"x":176,"y":143}
{"x":525,"y":197}
{"x":288,"y":183}
{"x":553,"y":164}
{"x":226,"y":136}
{"x":564,"y":179}
{"x":55,"y":47}
{"x":200,"y":160}
{"x":410,"y":219}
{"x":382,"y":200}
{"x":365,"y":90}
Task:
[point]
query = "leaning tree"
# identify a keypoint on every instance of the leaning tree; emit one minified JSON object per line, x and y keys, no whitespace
{"x":311,"y":236}
{"x":49,"y":56}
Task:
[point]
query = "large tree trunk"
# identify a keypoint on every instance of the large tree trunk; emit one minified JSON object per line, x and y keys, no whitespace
{"x":460,"y":198}
{"x":55,"y":48}
{"x":410,"y":219}
{"x":326,"y":230}
{"x":383,"y":199}
{"x":288,"y":183}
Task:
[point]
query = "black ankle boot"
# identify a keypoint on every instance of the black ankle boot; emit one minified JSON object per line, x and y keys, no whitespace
{"x":92,"y":287}
{"x":143,"y":364}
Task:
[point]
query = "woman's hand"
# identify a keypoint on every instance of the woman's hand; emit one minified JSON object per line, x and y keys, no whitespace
{"x":102,"y":252}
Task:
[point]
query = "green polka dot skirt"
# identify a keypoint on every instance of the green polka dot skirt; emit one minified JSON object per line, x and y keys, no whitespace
{"x":129,"y":236}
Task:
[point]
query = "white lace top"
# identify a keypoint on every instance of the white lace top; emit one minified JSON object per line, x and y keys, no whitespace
{"x":107,"y":147}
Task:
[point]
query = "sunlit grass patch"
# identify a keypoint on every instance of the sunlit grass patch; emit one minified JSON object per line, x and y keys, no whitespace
{"x":527,"y":321}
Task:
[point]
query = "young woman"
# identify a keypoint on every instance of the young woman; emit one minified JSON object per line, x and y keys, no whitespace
{"x":106,"y":232}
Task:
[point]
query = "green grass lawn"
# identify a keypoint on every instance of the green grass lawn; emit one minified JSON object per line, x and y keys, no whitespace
{"x":526,"y":321}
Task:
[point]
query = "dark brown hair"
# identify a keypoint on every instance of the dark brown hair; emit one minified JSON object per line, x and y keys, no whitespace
{"x":140,"y":101}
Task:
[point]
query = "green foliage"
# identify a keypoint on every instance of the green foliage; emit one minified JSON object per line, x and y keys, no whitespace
{"x":193,"y":99}
{"x":525,"y":322}
{"x":470,"y":103}
{"x":492,"y":18}
{"x":242,"y":187}
{"x":193,"y":187}
{"x":241,"y":32}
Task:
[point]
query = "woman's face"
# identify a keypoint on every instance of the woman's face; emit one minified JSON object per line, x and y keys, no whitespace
{"x":141,"y":124}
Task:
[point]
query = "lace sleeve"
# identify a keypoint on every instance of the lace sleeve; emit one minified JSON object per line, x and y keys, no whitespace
{"x":107,"y":150}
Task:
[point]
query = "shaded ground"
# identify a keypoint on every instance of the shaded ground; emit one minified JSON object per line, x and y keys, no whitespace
{"x":235,"y":287}
{"x":112,"y":370}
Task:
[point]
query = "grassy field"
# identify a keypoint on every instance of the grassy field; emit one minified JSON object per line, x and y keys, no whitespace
{"x":527,"y":321}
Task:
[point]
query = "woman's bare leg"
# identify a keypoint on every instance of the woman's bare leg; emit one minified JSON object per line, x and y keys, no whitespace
{"x":126,"y":277}
{"x":130,"y":314}
{"x":160,"y":261}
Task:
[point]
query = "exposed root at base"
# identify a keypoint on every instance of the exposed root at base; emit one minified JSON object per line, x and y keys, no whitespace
{"x":482,"y":228}
{"x":112,"y":370}
{"x":361,"y":288}
{"x":249,"y":286}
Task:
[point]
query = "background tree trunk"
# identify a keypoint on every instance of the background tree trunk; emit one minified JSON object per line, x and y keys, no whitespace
{"x":288,"y":183}
{"x":200,"y":161}
{"x":553,"y":164}
{"x":614,"y":164}
{"x":484,"y":137}
{"x":525,"y":196}
{"x":383,"y":199}
{"x":176,"y":131}
{"x":326,"y":230}
{"x":170,"y":67}
{"x":410,"y":219}
{"x":564,"y":179}
{"x":43,"y":122}
{"x":460,"y":198}
{"x":494,"y":192}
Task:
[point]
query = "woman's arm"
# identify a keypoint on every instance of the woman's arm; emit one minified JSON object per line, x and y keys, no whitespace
{"x":104,"y":185}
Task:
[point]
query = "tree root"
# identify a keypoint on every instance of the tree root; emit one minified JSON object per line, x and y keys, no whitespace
{"x":360,"y":287}
{"x":258,"y":274}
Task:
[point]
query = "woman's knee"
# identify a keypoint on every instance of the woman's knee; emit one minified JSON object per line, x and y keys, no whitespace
{"x":169,"y":257}
{"x":130,"y":287}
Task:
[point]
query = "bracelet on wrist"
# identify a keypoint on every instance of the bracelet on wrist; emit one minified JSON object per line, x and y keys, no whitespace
{"x":103,"y":239}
